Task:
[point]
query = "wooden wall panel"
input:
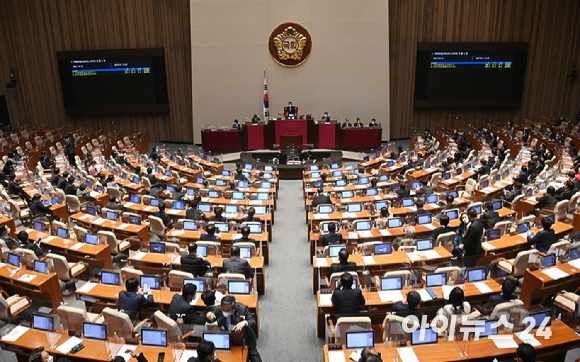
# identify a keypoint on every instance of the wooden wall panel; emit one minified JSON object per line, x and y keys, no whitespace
{"x":552,"y":28}
{"x":34,"y":30}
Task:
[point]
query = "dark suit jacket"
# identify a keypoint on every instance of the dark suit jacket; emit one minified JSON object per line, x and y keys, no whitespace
{"x":54,"y":179}
{"x":62,"y":182}
{"x":510,"y":196}
{"x":341,"y":268}
{"x":543,"y":239}
{"x":216,"y":218}
{"x":331,"y":239}
{"x":421,"y":212}
{"x":10,"y":242}
{"x":472,"y":241}
{"x":194,"y":214}
{"x":38,"y":206}
{"x":403,"y":310}
{"x":131,"y":302}
{"x":152,"y":179}
{"x":494,"y":300}
{"x":490,"y":219}
{"x":70,"y":189}
{"x":483,"y":170}
{"x":15,"y":189}
{"x":237,"y":265}
{"x":441,"y":230}
{"x":253,"y":219}
{"x":522,"y":177}
{"x":566,"y":195}
{"x":320,"y":200}
{"x":207,"y":237}
{"x":347,"y":301}
{"x":241,"y":313}
{"x":177,"y":196}
{"x":180,"y":305}
{"x":403,"y":194}
{"x":69,"y":147}
{"x":195,"y":265}
{"x":427,"y":190}
{"x":547,"y":201}
{"x":154,"y":156}
{"x":115,"y":206}
{"x":163,"y":216}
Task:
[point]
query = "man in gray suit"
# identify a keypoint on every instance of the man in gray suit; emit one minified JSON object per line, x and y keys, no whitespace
{"x":235,"y":264}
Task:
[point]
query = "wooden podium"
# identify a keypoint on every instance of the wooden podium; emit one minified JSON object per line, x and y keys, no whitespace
{"x":291,"y":140}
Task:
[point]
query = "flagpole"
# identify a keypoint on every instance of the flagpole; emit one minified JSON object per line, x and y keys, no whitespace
{"x":266,"y":103}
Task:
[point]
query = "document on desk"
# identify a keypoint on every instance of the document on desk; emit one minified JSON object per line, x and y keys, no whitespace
{"x":2,"y":265}
{"x":369,"y":260}
{"x":555,"y":273}
{"x":503,"y":341}
{"x":173,"y":211}
{"x":390,"y":296}
{"x":344,"y":201}
{"x":430,"y":226}
{"x":138,"y":255}
{"x":483,"y":288}
{"x":123,"y":226}
{"x":378,"y":198}
{"x":85,"y":216}
{"x":447,"y":290}
{"x":93,"y":194}
{"x":431,"y":254}
{"x":14,"y":334}
{"x":129,"y":204}
{"x":424,"y":295}
{"x":336,"y":356}
{"x":321,"y":216}
{"x":384,"y":232}
{"x":407,"y":354}
{"x":149,"y":208}
{"x":77,"y":246}
{"x":255,"y":202}
{"x":49,"y":239}
{"x":414,"y":256}
{"x":360,"y":187}
{"x":352,"y":235}
{"x":412,"y":208}
{"x":124,"y":352}
{"x":26,"y":277}
{"x":99,"y":221}
{"x":339,"y":189}
{"x":349,"y":215}
{"x":177,"y":232}
{"x":87,"y":287}
{"x":575,"y":263}
{"x":321,"y":262}
{"x":528,"y":338}
{"x":68,"y":345}
{"x":487,"y":246}
{"x":233,"y":202}
{"x":365,"y":234}
{"x":194,"y":301}
{"x":325,"y":299}
{"x":187,"y":354}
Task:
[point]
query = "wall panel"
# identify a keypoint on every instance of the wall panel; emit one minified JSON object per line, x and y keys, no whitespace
{"x":552,"y":28}
{"x":34,"y":30}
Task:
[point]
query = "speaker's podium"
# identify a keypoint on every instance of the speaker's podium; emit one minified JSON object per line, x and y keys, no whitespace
{"x":290,"y":147}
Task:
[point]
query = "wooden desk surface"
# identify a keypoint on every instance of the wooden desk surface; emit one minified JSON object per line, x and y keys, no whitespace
{"x":195,"y":234}
{"x":381,"y":260}
{"x":175,"y":259}
{"x":389,"y":234}
{"x":116,"y":225}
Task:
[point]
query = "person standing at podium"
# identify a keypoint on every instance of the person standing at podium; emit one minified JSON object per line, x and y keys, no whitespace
{"x":255,"y":119}
{"x":290,"y":111}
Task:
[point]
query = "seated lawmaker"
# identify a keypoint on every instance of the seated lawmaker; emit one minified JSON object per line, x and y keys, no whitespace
{"x":343,"y":265}
{"x":205,"y":353}
{"x":251,"y":217}
{"x":40,"y":355}
{"x":420,"y":210}
{"x":114,"y":204}
{"x":193,"y":213}
{"x":191,"y":263}
{"x":373,"y":123}
{"x":408,"y":306}
{"x":444,"y":228}
{"x":245,"y":231}
{"x":210,"y":234}
{"x":218,"y":211}
{"x":507,"y":294}
{"x":162,"y":214}
{"x":133,"y":299}
{"x":37,"y":206}
{"x":332,"y":238}
{"x":346,"y":124}
{"x":70,"y":188}
{"x":55,"y":177}
{"x":320,"y":199}
{"x":490,"y":217}
{"x":236,"y":125}
{"x":549,"y":200}
{"x":154,"y":155}
{"x":178,"y":195}
{"x":181,"y":306}
{"x":358,"y":123}
{"x":346,"y":299}
{"x":235,"y":264}
{"x":14,"y":187}
{"x":545,"y":238}
{"x":8,"y":240}
{"x":511,"y":195}
{"x":402,"y":192}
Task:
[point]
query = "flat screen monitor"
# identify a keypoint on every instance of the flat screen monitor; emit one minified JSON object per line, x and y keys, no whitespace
{"x":190,"y":191}
{"x":548,"y":260}
{"x":476,"y":275}
{"x":485,"y":183}
{"x":91,"y":239}
{"x":237,"y":195}
{"x":354,"y":207}
{"x":432,"y":199}
{"x":403,"y":159}
{"x":136,"y":180}
{"x":245,"y":252}
{"x":424,"y":244}
{"x":363,"y":181}
{"x":243,"y":184}
{"x":408,"y":202}
{"x":220,"y":183}
{"x":266,"y":185}
{"x":111,"y":215}
{"x":452,"y":214}
{"x":231,"y":209}
{"x":204,"y":207}
{"x":135,"y":199}
{"x":333,"y":250}
{"x":202,"y":251}
{"x":325,"y":209}
{"x":214,"y":194}
{"x":497,"y":205}
{"x":488,"y":328}
{"x":424,"y":219}
{"x":124,"y":175}
{"x":380,"y":204}
{"x":384,"y":178}
{"x":239,"y":287}
{"x":422,"y":336}
{"x":539,"y":316}
{"x":263,"y":196}
{"x":14,"y":259}
{"x":550,"y":217}
{"x":168,"y":173}
{"x":199,"y":283}
{"x":324,"y":226}
{"x":455,"y":194}
{"x":436,"y":279}
{"x":225,"y":173}
{"x":363,"y":225}
{"x":337,"y":173}
{"x":41,"y":266}
{"x":255,"y":228}
{"x":315,"y":175}
{"x":135,"y":219}
{"x":109,"y":277}
{"x":347,"y":194}
{"x":459,"y":171}
{"x":359,"y":340}
{"x":341,"y":183}
{"x":248,"y":166}
{"x":38,"y":226}
{"x":447,"y":175}
{"x":199,"y":180}
{"x":393,"y":283}
{"x":261,"y":210}
{"x":150,"y":281}
{"x":179,"y":205}
{"x":155,"y":202}
{"x":372,"y":191}
{"x":154,"y":337}
{"x":574,"y":253}
{"x":383,"y":248}
{"x":222,"y":227}
{"x":477,"y":208}
{"x":394,"y":222}
{"x":390,"y":163}
{"x":42,"y":322}
{"x":415,"y":185}
{"x":268,"y":168}
{"x":366,"y":159}
{"x":62,"y":233}
{"x":220,"y":340}
{"x":334,"y":166}
{"x":189,"y":225}
{"x":95,"y":331}
{"x":91,"y":210}
{"x":158,"y":248}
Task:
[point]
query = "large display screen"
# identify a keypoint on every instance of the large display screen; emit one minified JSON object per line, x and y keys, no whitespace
{"x":113,"y":81}
{"x":470,"y":75}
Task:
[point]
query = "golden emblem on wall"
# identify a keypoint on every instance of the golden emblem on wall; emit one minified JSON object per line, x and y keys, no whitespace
{"x":290,"y":44}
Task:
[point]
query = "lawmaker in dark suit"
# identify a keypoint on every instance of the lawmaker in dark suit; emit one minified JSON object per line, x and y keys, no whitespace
{"x":69,"y":149}
{"x":472,"y":242}
{"x":205,"y":353}
{"x":245,"y":231}
{"x":193,"y":213}
{"x":548,"y":201}
{"x":151,"y":177}
{"x":567,"y":192}
{"x":444,"y":228}
{"x":290,"y":111}
{"x":62,"y":181}
{"x":425,"y":188}
{"x":251,"y":217}
{"x":358,"y":124}
{"x":162,"y":214}
{"x":490,"y":217}
{"x":236,"y":125}
{"x":346,"y":299}
{"x":154,"y":156}
{"x":177,"y":194}
{"x":510,"y":196}
{"x":114,"y":204}
{"x":325,"y":117}
{"x":320,"y":199}
{"x":403,"y":192}
{"x":409,"y":307}
{"x":332,"y":238}
{"x":132,"y":299}
{"x":507,"y":294}
{"x":217,"y":215}
{"x":37,"y":206}
{"x":191,"y":263}
{"x":180,"y":306}
{"x":343,"y":265}
{"x":235,"y":264}
{"x":210,"y":234}
{"x":14,"y":187}
{"x":420,"y":210}
{"x":234,"y":315}
{"x":523,"y":176}
{"x":373,"y":123}
{"x":483,"y":169}
{"x":545,"y":238}
{"x":346,"y":124}
{"x":70,"y":188}
{"x":55,"y":177}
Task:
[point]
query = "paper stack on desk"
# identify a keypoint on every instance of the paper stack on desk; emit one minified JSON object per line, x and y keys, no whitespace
{"x":68,"y":345}
{"x":407,"y":354}
{"x":528,"y":338}
{"x":352,"y":235}
{"x":349,"y":215}
{"x":27,"y":278}
{"x":325,"y":299}
{"x":124,"y":352}
{"x":77,"y":246}
{"x":87,"y":287}
{"x":483,"y":288}
{"x":487,"y":246}
{"x":385,"y":232}
{"x":99,"y":221}
{"x":390,"y":296}
{"x":575,"y":263}
{"x":186,"y":355}
{"x":320,"y":216}
{"x":336,"y":356}
{"x":123,"y":226}
{"x":431,"y":254}
{"x":425,"y":297}
{"x":555,"y":273}
{"x":321,"y":262}
{"x":138,"y":255}
{"x":503,"y":341}
{"x":14,"y":334}
{"x":148,"y":208}
{"x":414,"y":256}
{"x":365,"y":234}
{"x":369,"y":260}
{"x":430,"y":226}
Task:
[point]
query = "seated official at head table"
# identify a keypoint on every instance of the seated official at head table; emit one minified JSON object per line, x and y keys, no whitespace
{"x":346,"y":299}
{"x":343,"y":265}
{"x":134,"y":298}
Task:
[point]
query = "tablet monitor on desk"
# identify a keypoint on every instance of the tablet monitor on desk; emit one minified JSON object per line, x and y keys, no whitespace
{"x":427,"y":165}
{"x":199,"y":180}
{"x":315,"y":175}
{"x":270,"y":168}
{"x":204,"y":207}
{"x":109,"y":277}
{"x":179,"y":205}
{"x":220,"y":183}
{"x":384,"y":178}
{"x":395,"y":188}
{"x":550,"y":217}
{"x":95,"y":331}
{"x":539,"y":316}
{"x":380,"y":204}
{"x":199,"y":283}
{"x":245,"y":252}
{"x":408,"y":202}
{"x":168,"y":173}
{"x":38,"y":226}
{"x":239,"y":287}
{"x":530,"y":192}
{"x":523,"y":227}
{"x":248,"y":166}
{"x":222,"y":227}
{"x":158,"y":248}
{"x":135,"y":199}
{"x":476,"y":275}
{"x":424,"y":244}
{"x":548,"y":261}
{"x":334,"y":166}
{"x":111,"y":215}
{"x":363,"y":180}
{"x":124,"y":175}
{"x":455,"y":194}
{"x":231,"y":209}
{"x":261,"y":210}
{"x":135,"y":219}
{"x":477,"y":208}
{"x":190,"y":191}
{"x":189,"y":225}
{"x":333,"y":250}
{"x":452,"y":214}
{"x":574,"y":253}
{"x":497,"y":178}
{"x":340,"y":183}
{"x":383,"y":248}
{"x":436,"y":279}
{"x":497,"y":205}
{"x":485,"y":183}
{"x":488,"y":328}
{"x":390,"y":163}
{"x":237,"y":195}
{"x":14,"y":259}
{"x":136,"y":180}
{"x":41,"y":266}
{"x":151,"y":281}
{"x":313,"y":168}
{"x":354,"y":207}
{"x":202,"y":251}
{"x":213,"y":194}
{"x":459,"y":171}
{"x":447,"y":175}
{"x":394,"y":222}
{"x":423,"y":336}
{"x":265,"y":185}
{"x":154,"y":202}
{"x":42,"y":322}
{"x":363,"y":225}
{"x":255,"y":228}
{"x":337,"y":173}
{"x":372,"y":191}
{"x":363,"y":339}
{"x":242,"y":184}
{"x":402,"y":159}
{"x":424,"y":219}
{"x":493,"y":234}
{"x":432,"y":199}
{"x":154,"y":337}
{"x":347,"y":194}
{"x":91,"y":239}
{"x":220,"y":340}
{"x":263,"y":196}
{"x":415,"y":185}
{"x":268,"y":176}
{"x":91,"y":210}
{"x":394,"y":283}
